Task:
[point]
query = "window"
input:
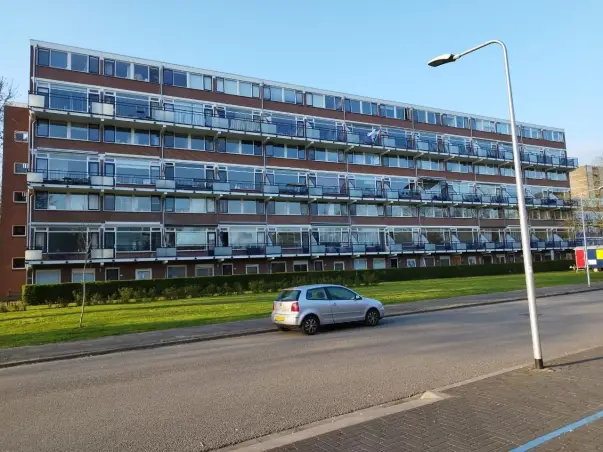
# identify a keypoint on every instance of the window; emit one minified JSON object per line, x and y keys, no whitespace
{"x":19,"y":197}
{"x":81,"y":275}
{"x":360,"y":264}
{"x":174,"y":78}
{"x":203,"y":82}
{"x":58,"y":59}
{"x":109,"y":67}
{"x":378,"y":263}
{"x":18,"y":231}
{"x":57,"y":129}
{"x":122,"y":69}
{"x":252,"y":269}
{"x":144,"y":273}
{"x":21,"y":137}
{"x":316,"y":294}
{"x":339,"y":266}
{"x":278,"y":267}
{"x":93,"y":201}
{"x":286,"y":151}
{"x":300,"y":266}
{"x":341,"y":293}
{"x":47,"y":277}
{"x":318,"y":266}
{"x":176,"y":271}
{"x":112,"y":274}
{"x":411,"y":263}
{"x":141,"y":72}
{"x":43,"y":57}
{"x":79,"y":62}
{"x":204,"y":270}
{"x":472,"y":260}
{"x":20,"y":168}
{"x":93,"y":65}
{"x":227,"y":269}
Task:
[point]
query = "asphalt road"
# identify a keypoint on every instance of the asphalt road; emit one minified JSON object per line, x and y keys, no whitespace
{"x":201,"y":396}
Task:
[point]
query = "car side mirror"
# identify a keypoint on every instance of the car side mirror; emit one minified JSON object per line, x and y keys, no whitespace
{"x":357,"y":297}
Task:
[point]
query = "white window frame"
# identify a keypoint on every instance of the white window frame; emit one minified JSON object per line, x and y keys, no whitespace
{"x":256,"y":266}
{"x":175,"y":266}
{"x":87,"y":271}
{"x":20,"y":202}
{"x":360,"y":259}
{"x":13,"y":263}
{"x":379,"y":259}
{"x":113,"y":268}
{"x":445,"y":258}
{"x":472,"y":260}
{"x":301,"y":263}
{"x":414,"y":263}
{"x":55,"y":271}
{"x":24,"y":133}
{"x":25,"y":165}
{"x":314,"y":265}
{"x":206,"y":266}
{"x":339,"y":262}
{"x":13,"y":230}
{"x":278,"y":262}
{"x":150,"y":270}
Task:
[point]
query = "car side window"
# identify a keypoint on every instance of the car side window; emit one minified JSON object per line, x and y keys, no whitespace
{"x":341,"y":293}
{"x":316,"y":294}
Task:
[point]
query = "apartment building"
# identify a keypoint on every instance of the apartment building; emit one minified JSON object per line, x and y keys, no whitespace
{"x":585,"y":180}
{"x":145,"y":169}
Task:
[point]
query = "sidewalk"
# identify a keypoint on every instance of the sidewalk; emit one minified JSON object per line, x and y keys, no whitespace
{"x":556,"y":409}
{"x":111,"y":344}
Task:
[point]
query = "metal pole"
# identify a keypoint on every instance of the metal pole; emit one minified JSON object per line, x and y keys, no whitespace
{"x":523,"y":222}
{"x":584,"y":238}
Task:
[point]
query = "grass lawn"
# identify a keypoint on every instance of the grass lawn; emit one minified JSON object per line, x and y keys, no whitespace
{"x":40,"y":324}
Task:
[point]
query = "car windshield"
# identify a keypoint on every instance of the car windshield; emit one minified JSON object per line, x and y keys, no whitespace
{"x":288,"y":295}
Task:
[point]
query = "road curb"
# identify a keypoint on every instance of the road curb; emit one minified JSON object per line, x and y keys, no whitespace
{"x":258,"y":331}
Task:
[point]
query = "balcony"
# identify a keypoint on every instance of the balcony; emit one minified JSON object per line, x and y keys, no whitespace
{"x":292,"y":131}
{"x":142,"y":251}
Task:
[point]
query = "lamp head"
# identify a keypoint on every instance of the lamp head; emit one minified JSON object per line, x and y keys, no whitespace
{"x":443,"y":59}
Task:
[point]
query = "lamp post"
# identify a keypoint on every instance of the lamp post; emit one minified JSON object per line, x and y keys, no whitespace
{"x":584,"y":245}
{"x":523,"y":218}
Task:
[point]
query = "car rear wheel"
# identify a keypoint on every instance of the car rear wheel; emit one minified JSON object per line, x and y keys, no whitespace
{"x":310,"y":325}
{"x":372,"y":317}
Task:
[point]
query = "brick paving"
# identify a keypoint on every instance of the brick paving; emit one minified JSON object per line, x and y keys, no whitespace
{"x":495,"y":414}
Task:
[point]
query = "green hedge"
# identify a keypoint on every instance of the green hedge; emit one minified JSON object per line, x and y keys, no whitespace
{"x":35,"y":294}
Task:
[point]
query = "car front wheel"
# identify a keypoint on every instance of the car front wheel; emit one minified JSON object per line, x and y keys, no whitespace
{"x":310,"y":325}
{"x":372,"y":317}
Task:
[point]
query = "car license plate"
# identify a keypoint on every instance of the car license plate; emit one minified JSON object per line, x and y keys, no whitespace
{"x":279,"y":318}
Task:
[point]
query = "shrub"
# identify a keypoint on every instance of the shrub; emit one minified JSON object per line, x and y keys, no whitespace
{"x":238,"y":288}
{"x":35,"y":294}
{"x":63,"y":303}
{"x":369,"y":278}
{"x":192,"y":291}
{"x":209,"y":290}
{"x":226,"y":289}
{"x":170,"y":293}
{"x":126,"y":294}
{"x":151,"y":294}
{"x":77,"y":297}
{"x":3,"y":307}
{"x":96,"y":299}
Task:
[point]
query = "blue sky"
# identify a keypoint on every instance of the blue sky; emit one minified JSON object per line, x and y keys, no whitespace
{"x":377,"y":48}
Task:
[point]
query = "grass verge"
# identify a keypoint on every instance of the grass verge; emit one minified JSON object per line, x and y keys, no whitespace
{"x":40,"y":324}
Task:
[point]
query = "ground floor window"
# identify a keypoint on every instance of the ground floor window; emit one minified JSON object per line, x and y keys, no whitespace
{"x":445,"y":261}
{"x":176,"y":271}
{"x":412,"y":263}
{"x":318,"y":266}
{"x":378,"y":263}
{"x":144,"y":273}
{"x":428,"y":262}
{"x":278,"y":267}
{"x":360,"y":264}
{"x":18,"y":263}
{"x":80,"y":275}
{"x":48,"y":276}
{"x":511,"y":258}
{"x":472,"y":260}
{"x":252,"y":269}
{"x":112,"y":274}
{"x":393,"y":262}
{"x":501,"y":259}
{"x":204,"y":270}
{"x":300,"y":266}
{"x":339,"y":266}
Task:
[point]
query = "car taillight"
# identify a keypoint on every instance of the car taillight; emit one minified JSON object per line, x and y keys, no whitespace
{"x":295,"y":307}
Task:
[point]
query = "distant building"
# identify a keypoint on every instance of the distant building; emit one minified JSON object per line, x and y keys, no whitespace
{"x":585,"y":179}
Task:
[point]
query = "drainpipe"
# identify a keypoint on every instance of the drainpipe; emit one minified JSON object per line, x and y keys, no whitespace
{"x":30,"y":197}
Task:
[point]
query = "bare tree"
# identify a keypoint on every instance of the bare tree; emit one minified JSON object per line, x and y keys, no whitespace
{"x":84,"y":245}
{"x":8,"y":92}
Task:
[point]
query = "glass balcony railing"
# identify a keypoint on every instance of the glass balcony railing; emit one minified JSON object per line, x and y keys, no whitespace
{"x":144,"y":249}
{"x":268,"y":126}
{"x":298,"y":191}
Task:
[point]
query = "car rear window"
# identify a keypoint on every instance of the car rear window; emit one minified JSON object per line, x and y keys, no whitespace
{"x":288,"y":295}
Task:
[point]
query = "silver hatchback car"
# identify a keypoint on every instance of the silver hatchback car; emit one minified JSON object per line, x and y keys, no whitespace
{"x":309,"y":307}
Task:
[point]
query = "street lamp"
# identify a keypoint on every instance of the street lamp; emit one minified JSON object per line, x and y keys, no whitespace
{"x":586,"y":266}
{"x":523,"y":217}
